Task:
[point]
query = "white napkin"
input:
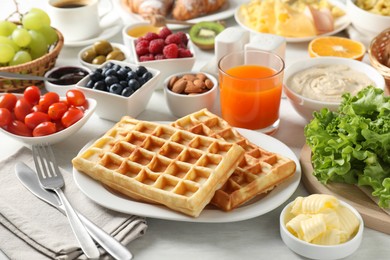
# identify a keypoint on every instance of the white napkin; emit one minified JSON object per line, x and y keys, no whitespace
{"x":32,"y":229}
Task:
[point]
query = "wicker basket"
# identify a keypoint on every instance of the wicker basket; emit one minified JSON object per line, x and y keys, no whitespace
{"x":379,"y":54}
{"x":37,"y":67}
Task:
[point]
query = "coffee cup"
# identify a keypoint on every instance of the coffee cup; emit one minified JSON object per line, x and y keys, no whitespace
{"x":77,"y":19}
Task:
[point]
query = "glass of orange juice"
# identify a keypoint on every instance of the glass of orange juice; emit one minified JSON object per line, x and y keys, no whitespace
{"x":251,"y":88}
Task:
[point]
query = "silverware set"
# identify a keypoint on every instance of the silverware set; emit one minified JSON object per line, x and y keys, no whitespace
{"x":48,"y":178}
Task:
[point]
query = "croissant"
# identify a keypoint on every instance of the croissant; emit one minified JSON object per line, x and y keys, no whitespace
{"x":188,"y":9}
{"x":150,"y":7}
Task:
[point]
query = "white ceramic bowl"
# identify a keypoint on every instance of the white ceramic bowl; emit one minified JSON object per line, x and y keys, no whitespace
{"x":59,"y":136}
{"x":181,"y":105}
{"x":306,"y":106}
{"x":168,"y":67}
{"x":366,"y":22}
{"x":91,"y":66}
{"x":321,"y":252}
{"x":112,"y":106}
{"x":61,"y":89}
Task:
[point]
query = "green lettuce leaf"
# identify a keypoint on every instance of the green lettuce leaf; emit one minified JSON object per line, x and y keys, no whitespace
{"x":352,"y":145}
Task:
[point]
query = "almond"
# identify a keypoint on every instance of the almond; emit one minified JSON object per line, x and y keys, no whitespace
{"x":179,"y":86}
{"x":209,"y":84}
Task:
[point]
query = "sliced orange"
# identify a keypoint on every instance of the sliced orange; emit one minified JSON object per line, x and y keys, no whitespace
{"x":336,"y":46}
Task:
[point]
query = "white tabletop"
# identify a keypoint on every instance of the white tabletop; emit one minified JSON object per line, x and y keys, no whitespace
{"x":257,"y":238}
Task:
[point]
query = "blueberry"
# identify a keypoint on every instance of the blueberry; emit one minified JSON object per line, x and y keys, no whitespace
{"x":148,"y":75}
{"x":140,"y":70}
{"x":123,"y":83}
{"x":90,"y":84}
{"x":132,"y":75}
{"x":110,"y":72}
{"x":100,"y":85}
{"x":95,"y":76}
{"x":116,"y":67}
{"x":99,"y":70}
{"x":141,"y":81}
{"x":127,"y":92}
{"x":134,"y":84}
{"x":127,"y":68}
{"x":109,"y":65}
{"x":116,"y":88}
{"x":122,"y":74}
{"x":111,"y":80}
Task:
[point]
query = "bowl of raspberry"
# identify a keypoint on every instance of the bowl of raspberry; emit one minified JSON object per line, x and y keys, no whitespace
{"x":166,"y":51}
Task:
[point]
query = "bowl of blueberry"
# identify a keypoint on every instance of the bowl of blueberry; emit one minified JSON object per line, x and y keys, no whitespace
{"x":120,"y":88}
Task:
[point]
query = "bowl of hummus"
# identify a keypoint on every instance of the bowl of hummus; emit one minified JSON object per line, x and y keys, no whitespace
{"x":315,"y":83}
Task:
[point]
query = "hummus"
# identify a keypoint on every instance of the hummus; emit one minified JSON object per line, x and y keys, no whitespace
{"x":328,"y":82}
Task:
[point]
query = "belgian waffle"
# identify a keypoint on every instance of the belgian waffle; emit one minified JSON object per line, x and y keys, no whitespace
{"x":258,"y":172}
{"x":161,"y":164}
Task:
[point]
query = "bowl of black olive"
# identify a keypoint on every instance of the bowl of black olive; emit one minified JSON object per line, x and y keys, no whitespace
{"x":120,"y":88}
{"x":101,"y":51}
{"x":64,"y":78}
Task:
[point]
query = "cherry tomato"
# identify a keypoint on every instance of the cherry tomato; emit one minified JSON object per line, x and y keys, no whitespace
{"x":75,"y":97}
{"x":22,"y":108}
{"x":5,"y":117}
{"x":32,"y":94}
{"x":37,"y":108}
{"x":44,"y":128}
{"x":59,"y":125}
{"x":8,"y":101}
{"x":57,"y":110}
{"x":19,"y":128}
{"x":71,"y":116}
{"x":48,"y":99}
{"x":35,"y":118}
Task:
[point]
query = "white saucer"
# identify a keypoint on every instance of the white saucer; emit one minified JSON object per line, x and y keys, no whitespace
{"x":105,"y":34}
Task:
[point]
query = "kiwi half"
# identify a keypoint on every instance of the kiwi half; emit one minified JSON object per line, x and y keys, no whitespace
{"x":203,"y":34}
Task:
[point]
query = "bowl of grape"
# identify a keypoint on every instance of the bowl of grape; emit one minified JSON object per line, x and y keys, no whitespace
{"x":30,"y":46}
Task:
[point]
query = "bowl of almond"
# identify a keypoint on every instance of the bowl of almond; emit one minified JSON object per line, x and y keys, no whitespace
{"x":187,"y":92}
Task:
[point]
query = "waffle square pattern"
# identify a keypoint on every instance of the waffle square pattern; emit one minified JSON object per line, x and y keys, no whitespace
{"x":160,"y":164}
{"x":258,"y":172}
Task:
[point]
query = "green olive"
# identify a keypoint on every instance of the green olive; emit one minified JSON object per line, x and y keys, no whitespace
{"x":115,"y":55}
{"x":88,"y":55}
{"x":102,"y":47}
{"x":99,"y":60}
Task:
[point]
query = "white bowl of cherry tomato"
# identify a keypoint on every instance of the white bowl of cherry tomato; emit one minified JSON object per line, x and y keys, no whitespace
{"x":35,"y":118}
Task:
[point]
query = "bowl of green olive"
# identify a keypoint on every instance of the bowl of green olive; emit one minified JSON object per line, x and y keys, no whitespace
{"x":101,"y":51}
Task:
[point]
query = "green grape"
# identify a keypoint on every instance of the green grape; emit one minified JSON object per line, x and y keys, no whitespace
{"x":45,"y":19}
{"x":38,"y":45}
{"x":32,"y":21}
{"x":20,"y":57}
{"x":9,"y":41}
{"x":6,"y":52}
{"x":49,"y":33}
{"x":6,"y":28}
{"x":21,"y":37}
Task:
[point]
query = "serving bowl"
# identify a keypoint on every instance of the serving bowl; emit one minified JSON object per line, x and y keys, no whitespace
{"x":366,"y":22}
{"x":92,"y":66}
{"x":58,"y":136}
{"x":305,"y":106}
{"x":113,"y":106}
{"x":68,"y":77}
{"x":182,"y":104}
{"x":321,"y":252}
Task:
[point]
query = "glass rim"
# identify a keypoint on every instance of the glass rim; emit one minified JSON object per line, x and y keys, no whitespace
{"x":278,"y":72}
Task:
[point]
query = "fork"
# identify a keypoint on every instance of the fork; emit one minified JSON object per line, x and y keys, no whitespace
{"x":50,"y":178}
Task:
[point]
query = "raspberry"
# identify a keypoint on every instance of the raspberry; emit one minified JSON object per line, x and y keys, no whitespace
{"x":184,"y":53}
{"x":171,"y":51}
{"x":151,"y":36}
{"x":164,"y":32}
{"x":142,"y":47}
{"x":156,"y":46}
{"x":173,"y":38}
{"x":183,"y":37}
{"x":159,"y":57}
{"x":147,"y":57}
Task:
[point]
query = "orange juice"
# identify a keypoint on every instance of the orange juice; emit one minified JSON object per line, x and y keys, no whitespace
{"x":250,"y":96}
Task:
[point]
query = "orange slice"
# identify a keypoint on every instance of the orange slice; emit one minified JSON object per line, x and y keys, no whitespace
{"x":336,"y":46}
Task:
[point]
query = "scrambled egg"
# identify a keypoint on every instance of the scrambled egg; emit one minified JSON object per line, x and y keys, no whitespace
{"x":381,"y":7}
{"x":285,"y":17}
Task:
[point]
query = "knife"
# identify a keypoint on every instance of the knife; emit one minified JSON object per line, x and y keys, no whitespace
{"x":30,"y":181}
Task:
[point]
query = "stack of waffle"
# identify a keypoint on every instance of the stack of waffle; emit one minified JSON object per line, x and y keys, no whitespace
{"x":160,"y":164}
